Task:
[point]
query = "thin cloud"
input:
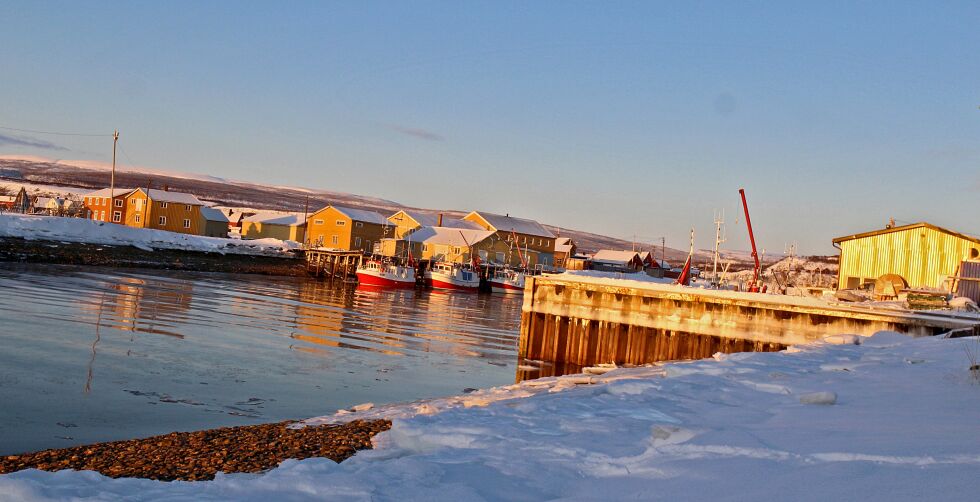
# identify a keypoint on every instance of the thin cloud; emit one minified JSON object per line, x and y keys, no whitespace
{"x":6,"y":140}
{"x":415,"y":132}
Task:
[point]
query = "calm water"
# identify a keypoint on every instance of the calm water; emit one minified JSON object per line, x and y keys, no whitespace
{"x":92,"y":354}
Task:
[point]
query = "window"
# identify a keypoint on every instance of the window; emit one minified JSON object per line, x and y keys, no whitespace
{"x":357,"y":242}
{"x":358,"y":224}
{"x":95,"y":215}
{"x":334,"y":239}
{"x":136,"y":218}
{"x":425,"y":247}
{"x":455,"y":249}
{"x":341,"y":223}
{"x":483,"y":254}
{"x":318,"y":222}
{"x":163,"y":220}
{"x":163,"y":205}
{"x":187,"y":207}
{"x":367,"y":244}
{"x":116,"y":216}
{"x":102,"y":215}
{"x":500,"y":257}
{"x":132,"y":201}
{"x":119,"y":202}
{"x":187,"y":222}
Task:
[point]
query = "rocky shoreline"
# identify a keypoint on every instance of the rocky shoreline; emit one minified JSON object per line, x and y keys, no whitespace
{"x":19,"y":250}
{"x":193,"y":456}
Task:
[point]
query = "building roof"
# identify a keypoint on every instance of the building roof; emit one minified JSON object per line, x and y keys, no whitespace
{"x":449,"y":236}
{"x":277,"y":219}
{"x":212,"y":214}
{"x":903,"y":228}
{"x":105,"y":192}
{"x":362,"y":215}
{"x":615,"y":257}
{"x":563,"y":245}
{"x":507,"y":223}
{"x":7,"y":198}
{"x":168,"y":196}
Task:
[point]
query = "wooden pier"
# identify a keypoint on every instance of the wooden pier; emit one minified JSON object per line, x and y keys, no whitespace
{"x":330,"y":263}
{"x":584,"y":321}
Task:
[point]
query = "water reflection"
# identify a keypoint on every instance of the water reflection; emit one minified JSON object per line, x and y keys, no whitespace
{"x":121,"y":353}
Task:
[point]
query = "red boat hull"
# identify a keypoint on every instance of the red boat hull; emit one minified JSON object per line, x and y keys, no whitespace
{"x":384,"y":282}
{"x":437,"y":284}
{"x":504,"y":287}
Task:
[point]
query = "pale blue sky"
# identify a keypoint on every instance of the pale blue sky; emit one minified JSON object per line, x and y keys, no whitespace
{"x":615,"y":117}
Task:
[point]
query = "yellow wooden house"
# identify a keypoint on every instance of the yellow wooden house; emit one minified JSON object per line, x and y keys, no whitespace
{"x":345,"y":228}
{"x":163,"y":210}
{"x":537,"y":243}
{"x":282,"y":226}
{"x":923,"y":254}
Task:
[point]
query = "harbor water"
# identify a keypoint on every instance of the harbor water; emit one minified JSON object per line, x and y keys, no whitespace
{"x":97,"y":354}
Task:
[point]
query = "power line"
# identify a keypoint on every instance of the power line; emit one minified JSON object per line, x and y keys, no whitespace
{"x":56,"y":133}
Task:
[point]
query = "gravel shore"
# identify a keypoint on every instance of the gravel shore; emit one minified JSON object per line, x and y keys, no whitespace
{"x":74,"y":253}
{"x":199,"y":455}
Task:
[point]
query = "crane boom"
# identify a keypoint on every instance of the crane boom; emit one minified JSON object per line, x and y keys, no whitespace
{"x":754,"y":285}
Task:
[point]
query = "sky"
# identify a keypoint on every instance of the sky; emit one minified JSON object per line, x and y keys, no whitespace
{"x":621,"y":118}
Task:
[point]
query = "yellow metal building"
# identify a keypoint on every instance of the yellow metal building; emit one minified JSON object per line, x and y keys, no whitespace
{"x":924,"y":255}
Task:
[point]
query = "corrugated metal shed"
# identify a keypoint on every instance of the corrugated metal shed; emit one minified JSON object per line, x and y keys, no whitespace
{"x":968,"y":284}
{"x":924,"y":255}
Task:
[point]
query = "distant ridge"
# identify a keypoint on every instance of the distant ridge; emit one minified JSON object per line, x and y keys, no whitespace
{"x":220,"y":191}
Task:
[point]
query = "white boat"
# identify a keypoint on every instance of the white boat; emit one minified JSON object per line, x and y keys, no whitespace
{"x":388,"y":275}
{"x":453,"y":276}
{"x":507,"y":281}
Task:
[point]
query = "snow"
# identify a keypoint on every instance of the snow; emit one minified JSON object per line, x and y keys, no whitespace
{"x":174,"y":197}
{"x":752,"y":426}
{"x":273,"y":218}
{"x":54,"y":228}
{"x":507,"y":223}
{"x":363,"y":215}
{"x":212,"y":214}
{"x":615,"y":257}
{"x":462,"y":237}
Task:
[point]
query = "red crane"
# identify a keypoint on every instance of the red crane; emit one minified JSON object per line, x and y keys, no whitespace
{"x":754,"y":285}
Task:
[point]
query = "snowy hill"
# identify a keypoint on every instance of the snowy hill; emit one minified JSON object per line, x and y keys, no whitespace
{"x":47,"y":177}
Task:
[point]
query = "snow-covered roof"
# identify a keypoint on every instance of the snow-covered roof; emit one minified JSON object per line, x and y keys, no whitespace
{"x":175,"y":197}
{"x":105,"y":192}
{"x":277,"y":219}
{"x":8,"y":198}
{"x":212,"y":214}
{"x":42,"y":202}
{"x":449,"y":236}
{"x":363,"y":215}
{"x":506,"y":223}
{"x":424,"y":219}
{"x":613,"y":256}
{"x":563,"y":245}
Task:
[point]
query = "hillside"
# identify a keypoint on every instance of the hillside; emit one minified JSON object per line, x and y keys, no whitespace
{"x":51,"y":177}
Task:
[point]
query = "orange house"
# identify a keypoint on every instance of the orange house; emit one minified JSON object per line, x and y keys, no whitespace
{"x":101,"y":206}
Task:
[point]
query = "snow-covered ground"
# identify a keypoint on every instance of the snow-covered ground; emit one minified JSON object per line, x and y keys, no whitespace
{"x":891,"y":419}
{"x":53,"y":228}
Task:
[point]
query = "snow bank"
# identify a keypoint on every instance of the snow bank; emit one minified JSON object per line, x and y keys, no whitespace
{"x":53,"y":228}
{"x":736,"y":427}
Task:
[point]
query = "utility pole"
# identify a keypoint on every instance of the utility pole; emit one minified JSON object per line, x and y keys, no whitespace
{"x":719,"y":221}
{"x":663,"y":249}
{"x":112,"y":178}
